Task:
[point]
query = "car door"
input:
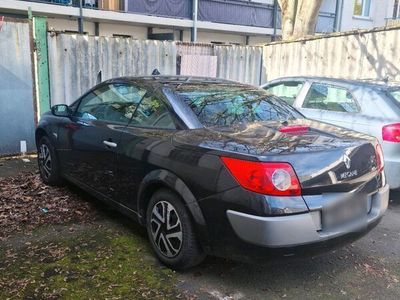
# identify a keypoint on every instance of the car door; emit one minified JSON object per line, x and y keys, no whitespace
{"x":95,"y":132}
{"x":146,"y":143}
{"x":331,"y":104}
{"x":286,"y":90}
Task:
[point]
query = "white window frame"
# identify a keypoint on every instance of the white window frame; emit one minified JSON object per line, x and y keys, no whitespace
{"x":364,"y":8}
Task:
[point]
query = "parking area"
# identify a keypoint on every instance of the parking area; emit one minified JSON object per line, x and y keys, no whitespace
{"x":61,"y":243}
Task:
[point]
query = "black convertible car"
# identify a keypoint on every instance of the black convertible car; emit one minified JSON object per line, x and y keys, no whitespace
{"x":215,"y":167}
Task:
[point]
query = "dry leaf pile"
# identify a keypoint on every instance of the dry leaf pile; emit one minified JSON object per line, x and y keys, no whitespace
{"x":26,"y":202}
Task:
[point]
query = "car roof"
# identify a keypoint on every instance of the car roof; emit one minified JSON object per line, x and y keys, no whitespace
{"x":370,"y":83}
{"x":174,"y":81}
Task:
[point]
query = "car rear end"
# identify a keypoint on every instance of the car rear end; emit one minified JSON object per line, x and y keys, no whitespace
{"x":381,"y":119}
{"x":337,"y":199}
{"x":313,"y":188}
{"x":390,"y":136}
{"x":281,"y":185}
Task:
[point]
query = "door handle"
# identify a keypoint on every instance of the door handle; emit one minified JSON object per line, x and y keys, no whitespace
{"x":110,"y":144}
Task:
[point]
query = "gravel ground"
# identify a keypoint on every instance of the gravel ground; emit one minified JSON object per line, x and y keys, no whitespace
{"x":367,"y":269}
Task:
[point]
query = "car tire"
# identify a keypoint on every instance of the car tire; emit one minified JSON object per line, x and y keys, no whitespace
{"x":173,"y":239}
{"x":49,"y":168}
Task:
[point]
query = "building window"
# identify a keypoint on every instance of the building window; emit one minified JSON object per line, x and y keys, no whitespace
{"x":362,"y":8}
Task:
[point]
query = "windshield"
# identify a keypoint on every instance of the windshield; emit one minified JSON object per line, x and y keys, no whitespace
{"x":227,"y":104}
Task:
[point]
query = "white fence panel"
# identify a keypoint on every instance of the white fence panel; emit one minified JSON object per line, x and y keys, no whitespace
{"x":76,"y":60}
{"x":370,"y":54}
{"x":240,"y":63}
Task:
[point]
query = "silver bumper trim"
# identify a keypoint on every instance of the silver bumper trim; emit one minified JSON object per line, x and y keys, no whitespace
{"x":295,"y":230}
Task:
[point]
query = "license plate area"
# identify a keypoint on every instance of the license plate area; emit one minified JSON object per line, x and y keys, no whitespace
{"x":345,"y":212}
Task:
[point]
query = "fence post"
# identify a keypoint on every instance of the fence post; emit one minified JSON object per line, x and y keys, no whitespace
{"x":41,"y":63}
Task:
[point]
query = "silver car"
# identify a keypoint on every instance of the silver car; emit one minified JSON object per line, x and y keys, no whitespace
{"x":365,"y":106}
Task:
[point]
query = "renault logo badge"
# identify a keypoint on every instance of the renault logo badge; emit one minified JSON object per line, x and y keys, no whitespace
{"x":347,"y":161}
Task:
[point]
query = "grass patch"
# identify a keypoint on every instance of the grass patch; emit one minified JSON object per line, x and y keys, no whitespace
{"x":110,"y":263}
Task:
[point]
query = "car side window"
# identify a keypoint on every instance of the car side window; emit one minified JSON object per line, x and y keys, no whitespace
{"x":112,"y":103}
{"x":152,"y":112}
{"x":329,"y":97}
{"x":287,"y":91}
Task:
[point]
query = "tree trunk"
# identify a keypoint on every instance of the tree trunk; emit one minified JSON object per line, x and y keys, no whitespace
{"x":306,"y":18}
{"x":299,"y":17}
{"x":288,"y":8}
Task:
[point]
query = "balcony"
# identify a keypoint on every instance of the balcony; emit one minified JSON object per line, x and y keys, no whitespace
{"x":236,"y":12}
{"x":114,"y":5}
{"x":166,"y":8}
{"x":233,"y":12}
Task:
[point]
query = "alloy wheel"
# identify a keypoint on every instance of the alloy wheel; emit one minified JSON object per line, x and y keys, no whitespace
{"x":166,"y":229}
{"x":45,"y":160}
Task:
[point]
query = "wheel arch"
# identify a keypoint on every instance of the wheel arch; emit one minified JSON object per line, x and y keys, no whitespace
{"x":160,"y":178}
{"x":39,"y":133}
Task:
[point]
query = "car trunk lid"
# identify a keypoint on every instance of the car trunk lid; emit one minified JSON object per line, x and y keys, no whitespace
{"x":325,"y":158}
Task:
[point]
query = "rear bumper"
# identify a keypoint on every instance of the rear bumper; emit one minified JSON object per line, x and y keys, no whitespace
{"x":391,"y":154}
{"x":392,"y":171}
{"x":301,"y":229}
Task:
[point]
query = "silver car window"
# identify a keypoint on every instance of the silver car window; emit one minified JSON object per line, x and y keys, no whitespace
{"x":287,"y":91}
{"x":329,"y":97}
{"x":395,"y":95}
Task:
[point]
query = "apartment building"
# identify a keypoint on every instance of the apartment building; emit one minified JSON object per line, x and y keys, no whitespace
{"x":363,"y":14}
{"x":245,"y":22}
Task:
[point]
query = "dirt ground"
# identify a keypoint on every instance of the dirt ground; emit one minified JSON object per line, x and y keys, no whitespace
{"x":97,"y":253}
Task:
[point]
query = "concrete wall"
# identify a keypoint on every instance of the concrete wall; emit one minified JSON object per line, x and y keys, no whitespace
{"x":16,"y":88}
{"x":328,"y":6}
{"x":140,"y":32}
{"x":60,"y":24}
{"x":137,"y":32}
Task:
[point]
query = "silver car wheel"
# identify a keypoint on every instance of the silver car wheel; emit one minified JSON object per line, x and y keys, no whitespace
{"x":166,"y":229}
{"x":45,"y":160}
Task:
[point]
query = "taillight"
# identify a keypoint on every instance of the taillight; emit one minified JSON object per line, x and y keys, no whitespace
{"x":294,"y":129}
{"x":391,"y":133}
{"x":379,"y":157}
{"x":268,"y":178}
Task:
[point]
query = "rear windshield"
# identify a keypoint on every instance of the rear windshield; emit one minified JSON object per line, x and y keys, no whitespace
{"x":230,"y":104}
{"x":395,"y":94}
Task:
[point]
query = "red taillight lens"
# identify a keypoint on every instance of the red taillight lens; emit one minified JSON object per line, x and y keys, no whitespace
{"x":391,"y":133}
{"x":379,"y":157}
{"x":294,"y":129}
{"x":275,"y":179}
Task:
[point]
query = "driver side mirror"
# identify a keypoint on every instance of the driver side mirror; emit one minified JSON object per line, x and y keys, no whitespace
{"x":61,"y":110}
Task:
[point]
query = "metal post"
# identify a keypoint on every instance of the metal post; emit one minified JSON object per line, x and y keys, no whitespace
{"x":96,"y":28}
{"x":275,"y":18}
{"x":149,"y":33}
{"x":195,"y":5}
{"x":42,"y":64}
{"x":337,"y":12}
{"x":80,"y":19}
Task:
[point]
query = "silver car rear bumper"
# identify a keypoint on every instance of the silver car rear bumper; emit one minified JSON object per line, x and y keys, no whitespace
{"x":392,"y":171}
{"x":301,"y":229}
